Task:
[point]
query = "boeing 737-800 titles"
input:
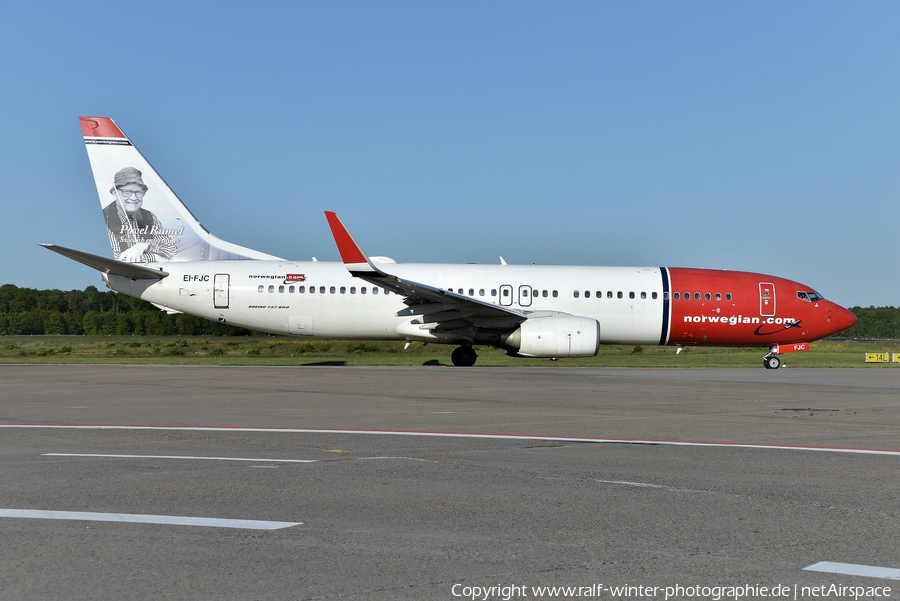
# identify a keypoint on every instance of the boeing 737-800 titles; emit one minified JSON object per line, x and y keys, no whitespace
{"x":163,"y":255}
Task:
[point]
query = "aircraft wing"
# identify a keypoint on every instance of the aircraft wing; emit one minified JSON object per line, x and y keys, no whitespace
{"x":440,"y":310}
{"x":109,"y":266}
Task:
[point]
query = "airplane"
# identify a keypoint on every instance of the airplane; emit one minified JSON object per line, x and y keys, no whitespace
{"x":163,"y":255}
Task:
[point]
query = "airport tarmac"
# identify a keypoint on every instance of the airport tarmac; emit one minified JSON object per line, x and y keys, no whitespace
{"x":323,"y":482}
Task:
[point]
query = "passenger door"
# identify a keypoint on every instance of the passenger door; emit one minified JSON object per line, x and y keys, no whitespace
{"x":221,"y":283}
{"x":767,"y":299}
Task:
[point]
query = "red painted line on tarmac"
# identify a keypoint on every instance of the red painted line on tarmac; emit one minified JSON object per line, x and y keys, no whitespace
{"x":484,"y":435}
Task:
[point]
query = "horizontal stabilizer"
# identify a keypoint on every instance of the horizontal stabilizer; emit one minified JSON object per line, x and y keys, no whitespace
{"x":109,"y":266}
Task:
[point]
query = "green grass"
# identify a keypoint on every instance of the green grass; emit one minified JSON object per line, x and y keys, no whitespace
{"x":249,"y":350}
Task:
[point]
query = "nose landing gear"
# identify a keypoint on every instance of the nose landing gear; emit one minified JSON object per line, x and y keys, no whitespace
{"x":771,"y":362}
{"x":463,"y":356}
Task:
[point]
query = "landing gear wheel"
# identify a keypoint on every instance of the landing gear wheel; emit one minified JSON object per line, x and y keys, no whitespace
{"x":772,"y":362}
{"x":463,"y":356}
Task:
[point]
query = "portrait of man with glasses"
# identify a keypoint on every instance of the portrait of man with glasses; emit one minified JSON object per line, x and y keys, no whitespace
{"x":136,"y":234}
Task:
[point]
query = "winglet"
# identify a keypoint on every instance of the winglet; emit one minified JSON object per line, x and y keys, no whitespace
{"x":351,"y":254}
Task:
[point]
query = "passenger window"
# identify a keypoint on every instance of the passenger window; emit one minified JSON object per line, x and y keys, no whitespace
{"x":312,"y":289}
{"x":576,"y":294}
{"x":677,"y":296}
{"x":619,"y":294}
{"x":707,"y":296}
{"x":352,"y":289}
{"x":460,"y":291}
{"x":505,"y":292}
{"x":301,"y":289}
{"x":609,"y":294}
{"x":331,"y":290}
{"x":644,"y":295}
{"x":555,"y":294}
{"x":687,"y":296}
{"x":362,"y":290}
{"x":718,"y":296}
{"x":544,"y":294}
{"x":271,"y":288}
{"x":343,"y":290}
{"x":281,"y":289}
{"x":696,"y":296}
{"x":587,"y":294}
{"x":599,"y":294}
{"x":631,"y":295}
{"x":261,"y":288}
{"x":291,"y":289}
{"x":728,"y":296}
{"x":493,"y":292}
{"x":386,"y":291}
{"x":374,"y":290}
{"x":322,"y":290}
{"x":471,"y":292}
{"x":481,"y":292}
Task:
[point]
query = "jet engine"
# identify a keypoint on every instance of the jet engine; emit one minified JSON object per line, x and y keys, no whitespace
{"x":557,"y":335}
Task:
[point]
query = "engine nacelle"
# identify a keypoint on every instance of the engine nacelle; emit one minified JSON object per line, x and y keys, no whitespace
{"x":556,"y":336}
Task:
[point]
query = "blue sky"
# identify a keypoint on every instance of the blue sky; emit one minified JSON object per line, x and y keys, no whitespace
{"x":758,"y":136}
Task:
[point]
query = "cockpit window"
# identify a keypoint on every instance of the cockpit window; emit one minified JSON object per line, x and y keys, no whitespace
{"x":810,"y":296}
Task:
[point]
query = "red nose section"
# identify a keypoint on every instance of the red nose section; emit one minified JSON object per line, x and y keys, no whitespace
{"x":843,"y":319}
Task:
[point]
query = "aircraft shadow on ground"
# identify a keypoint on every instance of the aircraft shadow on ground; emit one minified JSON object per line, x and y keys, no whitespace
{"x":325,"y":363}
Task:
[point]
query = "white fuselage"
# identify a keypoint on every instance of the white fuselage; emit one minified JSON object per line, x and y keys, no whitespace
{"x":276,"y":296}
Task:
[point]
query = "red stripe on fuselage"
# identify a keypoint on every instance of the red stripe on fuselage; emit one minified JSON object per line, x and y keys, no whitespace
{"x":755,"y":315}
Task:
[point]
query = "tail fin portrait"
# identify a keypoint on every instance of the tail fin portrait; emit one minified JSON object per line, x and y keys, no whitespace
{"x":145,"y":220}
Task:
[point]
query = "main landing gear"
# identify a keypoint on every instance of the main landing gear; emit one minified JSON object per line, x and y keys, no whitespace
{"x":463,"y":356}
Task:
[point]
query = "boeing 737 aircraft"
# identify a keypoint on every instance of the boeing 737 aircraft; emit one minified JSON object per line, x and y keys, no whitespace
{"x":163,"y":255}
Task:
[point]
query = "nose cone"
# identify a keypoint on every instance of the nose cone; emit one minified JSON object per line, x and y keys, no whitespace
{"x":843,"y":319}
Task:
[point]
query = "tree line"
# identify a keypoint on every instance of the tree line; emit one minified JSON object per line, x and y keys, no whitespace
{"x":91,"y":312}
{"x":26,"y":311}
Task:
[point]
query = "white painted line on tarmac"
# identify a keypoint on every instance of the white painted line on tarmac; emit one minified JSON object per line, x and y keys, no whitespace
{"x":260,"y":460}
{"x":627,"y":483}
{"x":407,"y":458}
{"x":250,"y":459}
{"x":485,"y":435}
{"x":852,"y":569}
{"x":137,"y":518}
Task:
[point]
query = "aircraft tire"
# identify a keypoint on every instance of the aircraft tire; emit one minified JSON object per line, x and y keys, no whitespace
{"x":772,"y":362}
{"x":463,"y":356}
